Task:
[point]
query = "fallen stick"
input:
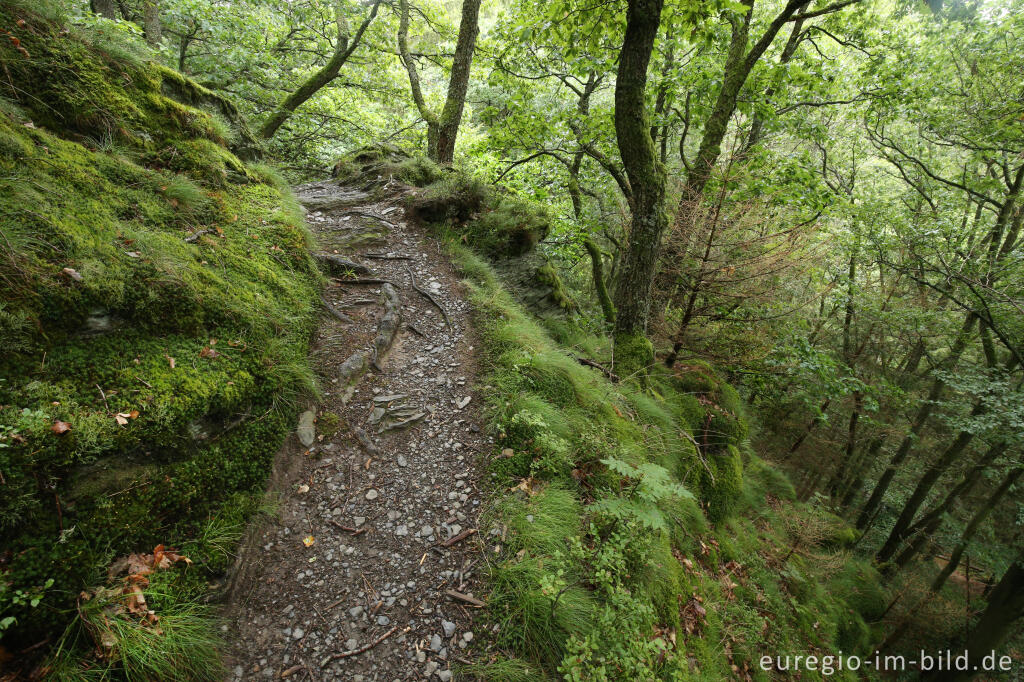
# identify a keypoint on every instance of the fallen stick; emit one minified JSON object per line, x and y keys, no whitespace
{"x":367,"y":214}
{"x":362,"y":649}
{"x":473,"y":601}
{"x":612,"y":376}
{"x":412,"y":328}
{"x":458,"y":538}
{"x":428,"y":296}
{"x":348,"y":529}
{"x":291,"y":671}
{"x":362,"y":280}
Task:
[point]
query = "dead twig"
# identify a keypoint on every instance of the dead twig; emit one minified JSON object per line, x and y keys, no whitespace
{"x":612,"y":376}
{"x":363,"y":280}
{"x":348,"y":529}
{"x":416,"y":331}
{"x":362,"y":649}
{"x":384,"y":256}
{"x":459,"y":596}
{"x":426,"y":294}
{"x":458,"y":538}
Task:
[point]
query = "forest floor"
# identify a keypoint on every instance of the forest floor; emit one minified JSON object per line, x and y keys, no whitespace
{"x":367,"y":569}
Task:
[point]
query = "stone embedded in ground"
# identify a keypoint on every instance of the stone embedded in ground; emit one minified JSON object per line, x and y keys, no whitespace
{"x":306,"y":431}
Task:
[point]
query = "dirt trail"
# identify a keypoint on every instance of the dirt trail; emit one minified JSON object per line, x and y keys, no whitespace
{"x":391,"y":499}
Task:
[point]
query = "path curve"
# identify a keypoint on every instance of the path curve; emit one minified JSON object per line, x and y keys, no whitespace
{"x":387,"y":589}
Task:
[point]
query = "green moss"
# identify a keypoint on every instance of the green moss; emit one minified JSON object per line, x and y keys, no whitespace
{"x":548,"y":275}
{"x":722,"y":483}
{"x":149,"y":273}
{"x":634,"y":353}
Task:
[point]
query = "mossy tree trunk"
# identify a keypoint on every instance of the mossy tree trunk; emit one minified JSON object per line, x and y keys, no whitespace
{"x":343,"y":49}
{"x":647,"y":182}
{"x":597,"y":265}
{"x":443,"y":129}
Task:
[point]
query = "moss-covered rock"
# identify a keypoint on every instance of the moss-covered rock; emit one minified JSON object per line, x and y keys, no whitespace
{"x":156,"y":307}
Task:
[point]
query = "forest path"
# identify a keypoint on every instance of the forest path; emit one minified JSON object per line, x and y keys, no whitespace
{"x":391,"y":500}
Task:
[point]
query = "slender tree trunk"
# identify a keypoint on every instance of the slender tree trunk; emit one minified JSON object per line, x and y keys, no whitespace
{"x":444,"y":128}
{"x":972,"y":527}
{"x":597,"y":264}
{"x":1005,"y":608}
{"x":647,"y":182}
{"x":343,"y":49}
{"x":151,"y":21}
{"x":757,"y":125}
{"x":105,"y":8}
{"x":924,"y":411}
{"x":924,"y":488}
{"x":451,"y":115}
{"x":853,"y":479}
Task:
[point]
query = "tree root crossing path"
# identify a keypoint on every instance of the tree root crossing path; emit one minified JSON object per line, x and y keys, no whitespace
{"x":367,"y":568}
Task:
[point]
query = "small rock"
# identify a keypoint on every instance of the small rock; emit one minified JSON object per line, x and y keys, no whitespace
{"x":435,"y":643}
{"x":371,"y":494}
{"x":298,"y":633}
{"x":444,"y":675}
{"x":467,"y":636}
{"x":449,"y":628}
{"x":402,"y":462}
{"x":383,"y":620}
{"x":306,"y":431}
{"x":355,"y":611}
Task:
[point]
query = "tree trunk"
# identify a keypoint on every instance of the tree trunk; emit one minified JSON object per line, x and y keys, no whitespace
{"x":647,"y":183}
{"x":972,"y":527}
{"x":757,"y":125}
{"x":151,"y":21}
{"x":924,"y":488}
{"x":451,"y":115}
{"x":924,"y":411}
{"x":442,"y":130}
{"x":597,"y":263}
{"x":105,"y":8}
{"x":1005,"y":607}
{"x":343,"y":49}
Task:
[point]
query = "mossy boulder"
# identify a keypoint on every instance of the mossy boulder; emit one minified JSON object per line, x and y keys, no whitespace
{"x":721,"y":482}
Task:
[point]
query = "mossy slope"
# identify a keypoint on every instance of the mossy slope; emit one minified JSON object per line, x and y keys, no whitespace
{"x":157,"y":301}
{"x":633,"y":533}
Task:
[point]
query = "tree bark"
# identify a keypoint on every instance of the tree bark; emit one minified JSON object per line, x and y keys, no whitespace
{"x":451,"y":115}
{"x":105,"y":8}
{"x":443,"y":129}
{"x":597,"y":264}
{"x":343,"y":49}
{"x":645,"y":171}
{"x":151,"y":21}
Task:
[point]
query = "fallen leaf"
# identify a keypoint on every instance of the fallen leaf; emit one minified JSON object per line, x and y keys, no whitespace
{"x":60,"y":427}
{"x":303,"y":489}
{"x":208,"y":352}
{"x":134,"y":414}
{"x":73,"y":274}
{"x":121,"y":418}
{"x":170,"y":360}
{"x":308,"y":541}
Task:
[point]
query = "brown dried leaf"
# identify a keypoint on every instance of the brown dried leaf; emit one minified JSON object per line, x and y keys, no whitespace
{"x":60,"y":427}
